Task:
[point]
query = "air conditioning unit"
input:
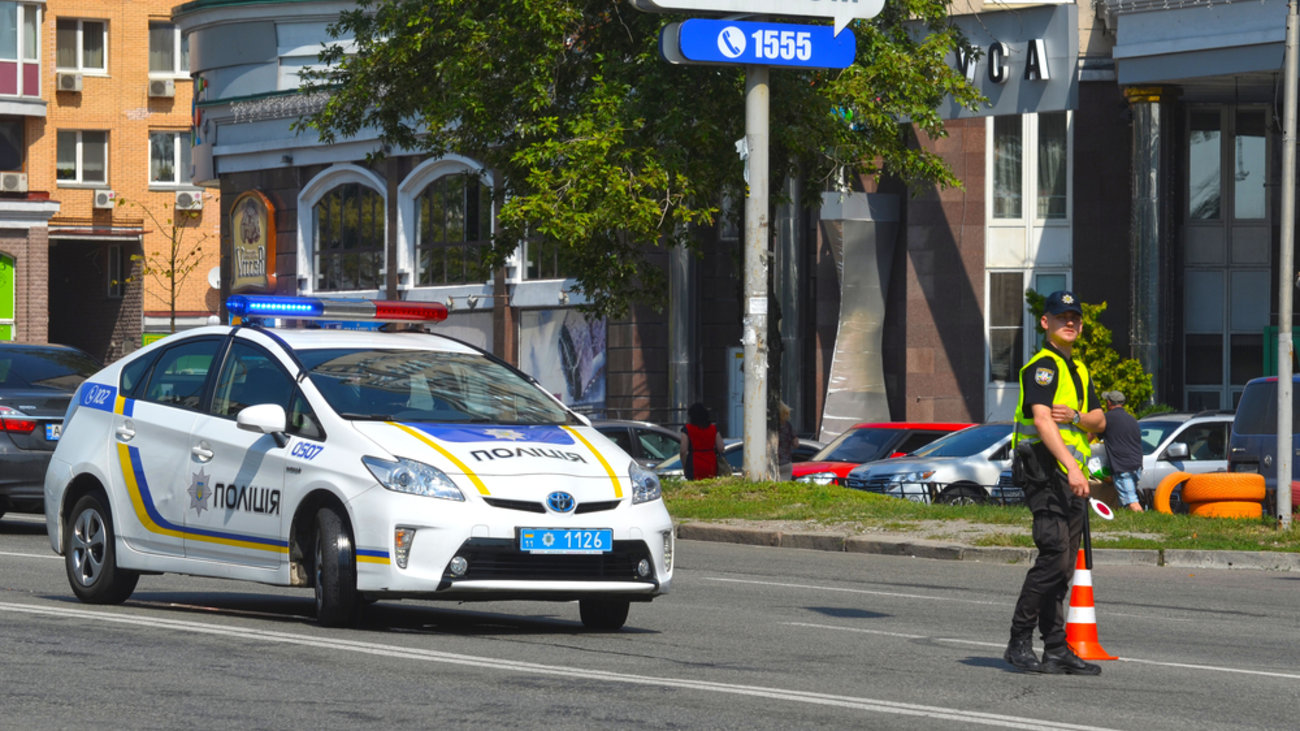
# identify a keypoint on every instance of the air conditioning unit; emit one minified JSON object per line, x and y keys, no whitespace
{"x":68,"y":82}
{"x":105,"y":198}
{"x":13,"y":182}
{"x":162,"y":87}
{"x":189,"y":200}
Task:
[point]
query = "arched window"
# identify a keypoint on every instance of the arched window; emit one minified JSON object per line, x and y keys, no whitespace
{"x":349,"y":235}
{"x":455,"y":227}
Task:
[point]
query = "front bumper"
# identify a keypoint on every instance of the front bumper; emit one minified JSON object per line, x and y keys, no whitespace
{"x":485,"y":539}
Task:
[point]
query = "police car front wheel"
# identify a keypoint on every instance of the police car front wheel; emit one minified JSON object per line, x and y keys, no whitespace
{"x":603,"y":614}
{"x":90,"y":555}
{"x":337,"y":602}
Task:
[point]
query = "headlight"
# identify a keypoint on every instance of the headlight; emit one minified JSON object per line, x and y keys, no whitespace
{"x":645,"y":484}
{"x":917,"y":476}
{"x":415,"y":478}
{"x":817,"y":478}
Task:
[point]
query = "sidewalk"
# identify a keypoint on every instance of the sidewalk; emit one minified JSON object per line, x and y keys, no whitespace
{"x":923,"y":548}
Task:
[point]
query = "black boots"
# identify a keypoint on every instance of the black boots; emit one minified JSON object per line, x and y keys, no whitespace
{"x":1020,"y":653}
{"x":1062,"y":660}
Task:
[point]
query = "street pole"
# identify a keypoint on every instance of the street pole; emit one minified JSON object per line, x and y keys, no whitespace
{"x":757,"y":225}
{"x":1286,"y":277}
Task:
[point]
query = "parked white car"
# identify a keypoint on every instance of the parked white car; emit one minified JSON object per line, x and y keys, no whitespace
{"x":961,"y":468}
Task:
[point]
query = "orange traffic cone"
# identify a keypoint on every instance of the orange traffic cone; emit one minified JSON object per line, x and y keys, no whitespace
{"x":1081,"y":617}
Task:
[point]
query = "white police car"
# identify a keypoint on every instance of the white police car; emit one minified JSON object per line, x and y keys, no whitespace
{"x":365,"y":464}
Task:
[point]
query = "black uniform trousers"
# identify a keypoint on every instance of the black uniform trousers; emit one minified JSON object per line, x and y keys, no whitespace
{"x":1058,"y":530}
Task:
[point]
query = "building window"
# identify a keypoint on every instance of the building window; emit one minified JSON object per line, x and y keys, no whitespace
{"x":169,"y":51}
{"x":83,"y":157}
{"x":169,"y":158}
{"x":1006,"y":325}
{"x":349,"y":235}
{"x":455,"y":228}
{"x":13,"y":143}
{"x":1203,"y":165}
{"x":1053,"y":164}
{"x":546,"y":260}
{"x":116,"y":272}
{"x":19,"y":32}
{"x":1008,"y":147}
{"x":81,"y":45}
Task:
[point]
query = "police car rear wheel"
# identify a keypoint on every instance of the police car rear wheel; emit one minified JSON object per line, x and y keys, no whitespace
{"x":90,"y":555}
{"x":603,"y":614}
{"x":337,"y":603}
{"x":962,"y":495}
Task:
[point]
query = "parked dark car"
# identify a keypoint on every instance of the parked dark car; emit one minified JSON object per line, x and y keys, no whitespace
{"x":733,"y":450}
{"x":649,"y":444}
{"x":36,"y":383}
{"x":1252,"y":445}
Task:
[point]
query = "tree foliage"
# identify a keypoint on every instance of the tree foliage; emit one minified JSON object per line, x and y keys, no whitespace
{"x":600,"y":146}
{"x":171,"y":266}
{"x":1094,"y":347}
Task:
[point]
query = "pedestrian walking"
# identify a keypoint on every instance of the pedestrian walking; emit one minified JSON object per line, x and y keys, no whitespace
{"x":1123,"y":440}
{"x":785,"y":441}
{"x":1058,"y":411}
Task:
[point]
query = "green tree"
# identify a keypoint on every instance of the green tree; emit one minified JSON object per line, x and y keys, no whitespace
{"x":171,"y":266}
{"x":600,"y":147}
{"x":1096,"y":349}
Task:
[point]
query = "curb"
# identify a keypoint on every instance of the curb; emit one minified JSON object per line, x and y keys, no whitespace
{"x":942,"y":550}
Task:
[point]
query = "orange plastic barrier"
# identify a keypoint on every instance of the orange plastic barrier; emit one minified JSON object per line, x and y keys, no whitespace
{"x":1216,"y":486}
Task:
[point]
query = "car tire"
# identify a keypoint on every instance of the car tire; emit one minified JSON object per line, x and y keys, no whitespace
{"x":90,"y":554}
{"x":337,"y":601}
{"x":603,"y":615}
{"x":1169,"y":494}
{"x":1227,"y":509}
{"x":962,"y":495}
{"x":1218,"y":486}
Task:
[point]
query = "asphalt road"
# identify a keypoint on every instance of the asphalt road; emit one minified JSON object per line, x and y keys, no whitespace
{"x":751,"y":637}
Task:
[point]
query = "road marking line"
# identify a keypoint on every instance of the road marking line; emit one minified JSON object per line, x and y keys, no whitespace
{"x":54,"y":556}
{"x":585,"y":674}
{"x":859,"y":591}
{"x":957,"y":641}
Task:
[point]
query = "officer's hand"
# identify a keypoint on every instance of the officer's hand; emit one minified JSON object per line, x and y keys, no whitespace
{"x":1078,"y":483}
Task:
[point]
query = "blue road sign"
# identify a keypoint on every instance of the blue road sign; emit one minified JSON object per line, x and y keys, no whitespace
{"x":771,"y":44}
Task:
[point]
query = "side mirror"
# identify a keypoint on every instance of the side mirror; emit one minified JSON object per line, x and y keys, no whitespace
{"x":1177,"y":450}
{"x":264,"y":419}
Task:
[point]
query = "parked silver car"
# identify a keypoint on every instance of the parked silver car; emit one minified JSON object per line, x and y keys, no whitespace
{"x":961,"y":468}
{"x":1178,"y":442}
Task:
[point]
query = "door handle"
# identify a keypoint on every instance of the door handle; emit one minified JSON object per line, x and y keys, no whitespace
{"x":202,"y":453}
{"x":125,"y":432}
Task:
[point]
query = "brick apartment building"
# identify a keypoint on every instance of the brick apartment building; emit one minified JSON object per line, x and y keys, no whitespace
{"x":95,"y":116}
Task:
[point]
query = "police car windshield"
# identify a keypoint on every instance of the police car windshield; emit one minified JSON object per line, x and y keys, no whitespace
{"x":427,"y":386}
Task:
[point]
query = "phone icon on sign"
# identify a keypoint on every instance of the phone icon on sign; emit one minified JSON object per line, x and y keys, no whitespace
{"x":731,"y":42}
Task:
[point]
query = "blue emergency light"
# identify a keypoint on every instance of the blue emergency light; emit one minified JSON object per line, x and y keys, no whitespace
{"x":244,"y":306}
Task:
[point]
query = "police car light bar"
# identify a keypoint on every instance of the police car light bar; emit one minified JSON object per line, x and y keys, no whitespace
{"x":318,"y":308}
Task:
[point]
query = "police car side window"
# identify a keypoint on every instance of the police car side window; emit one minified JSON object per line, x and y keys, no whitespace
{"x":180,"y":373}
{"x":248,"y":377}
{"x":134,"y":376}
{"x":302,"y":420}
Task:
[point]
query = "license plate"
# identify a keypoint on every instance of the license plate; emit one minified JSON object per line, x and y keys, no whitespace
{"x":53,"y":432}
{"x":566,"y":540}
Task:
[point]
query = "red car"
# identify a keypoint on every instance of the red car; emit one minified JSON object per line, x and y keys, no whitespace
{"x":866,"y":443}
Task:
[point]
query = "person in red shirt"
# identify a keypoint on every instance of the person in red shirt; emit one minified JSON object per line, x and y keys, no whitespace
{"x":701,"y":448}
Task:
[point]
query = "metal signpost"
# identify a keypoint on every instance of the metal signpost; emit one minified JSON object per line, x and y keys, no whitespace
{"x":759,"y":46}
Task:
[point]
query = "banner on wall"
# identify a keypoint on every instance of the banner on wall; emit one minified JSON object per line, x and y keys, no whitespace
{"x":252,"y":242}
{"x":566,"y":353}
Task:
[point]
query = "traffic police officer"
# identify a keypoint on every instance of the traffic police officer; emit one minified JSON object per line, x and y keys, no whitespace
{"x":1058,"y":410}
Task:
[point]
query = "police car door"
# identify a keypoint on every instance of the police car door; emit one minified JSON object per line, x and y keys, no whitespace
{"x":151,"y":439}
{"x":237,"y":511}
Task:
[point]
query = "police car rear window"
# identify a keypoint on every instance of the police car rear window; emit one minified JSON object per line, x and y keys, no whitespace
{"x":427,"y":386}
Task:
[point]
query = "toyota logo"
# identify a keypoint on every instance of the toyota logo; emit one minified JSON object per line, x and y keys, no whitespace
{"x":561,"y":502}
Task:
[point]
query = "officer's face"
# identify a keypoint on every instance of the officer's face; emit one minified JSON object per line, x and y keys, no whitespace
{"x":1064,"y":328}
